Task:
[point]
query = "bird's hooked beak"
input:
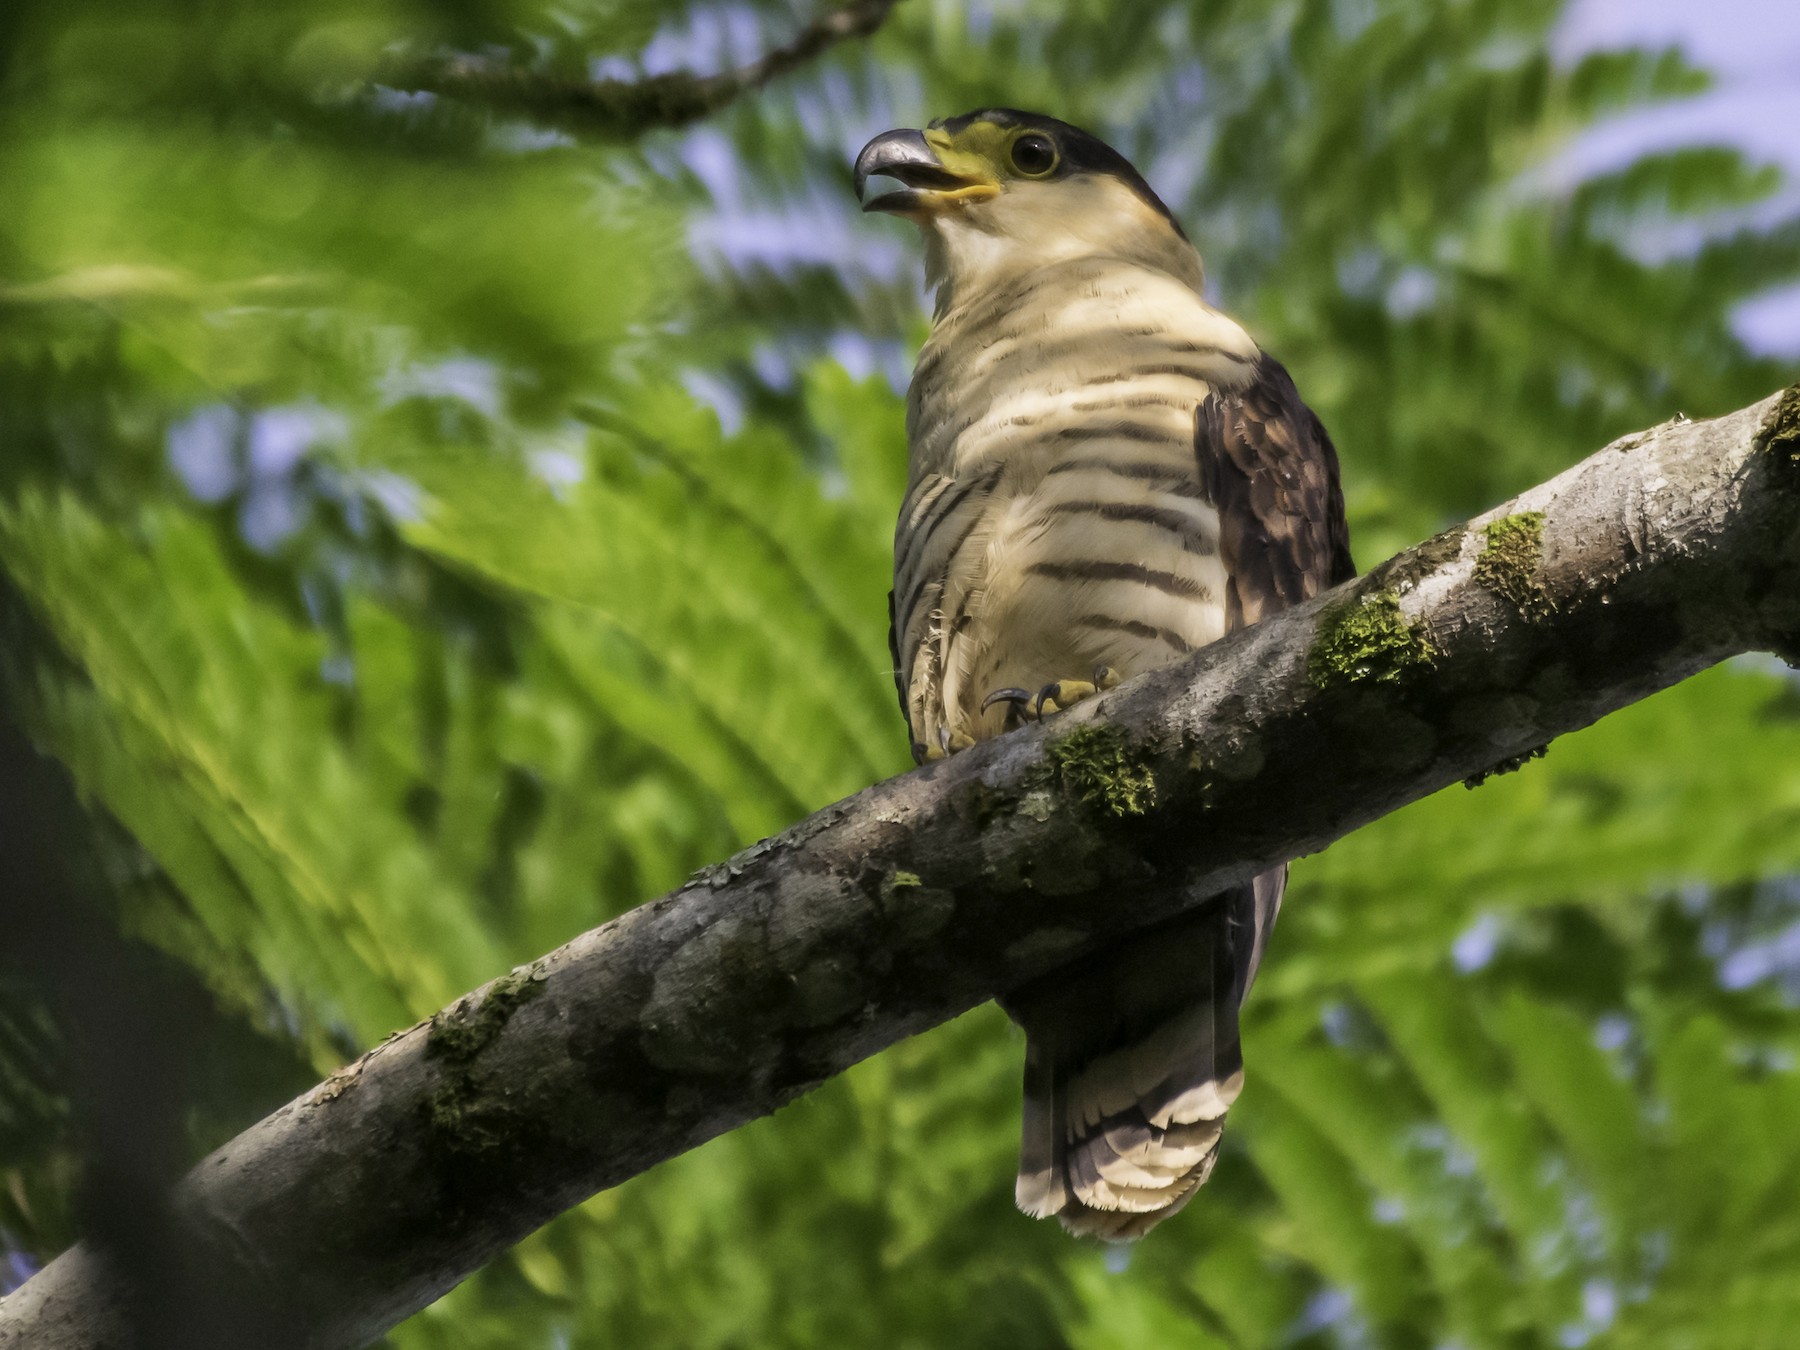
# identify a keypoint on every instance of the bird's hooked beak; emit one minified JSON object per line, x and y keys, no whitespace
{"x":932,"y":177}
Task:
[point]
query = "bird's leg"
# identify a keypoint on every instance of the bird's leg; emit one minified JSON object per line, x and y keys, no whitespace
{"x":1053,"y":697}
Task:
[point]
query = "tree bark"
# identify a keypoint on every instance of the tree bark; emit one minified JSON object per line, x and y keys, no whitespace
{"x":921,"y":897}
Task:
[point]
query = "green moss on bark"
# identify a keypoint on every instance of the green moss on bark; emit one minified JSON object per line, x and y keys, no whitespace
{"x":1780,"y":431}
{"x":461,"y":1032}
{"x":463,"y":1119}
{"x":464,"y":1122}
{"x":1098,"y":765}
{"x":1511,"y":764}
{"x":1509,"y":562}
{"x":1368,"y":640}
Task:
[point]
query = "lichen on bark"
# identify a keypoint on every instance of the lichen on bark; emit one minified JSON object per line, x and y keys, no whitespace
{"x":1413,"y":566}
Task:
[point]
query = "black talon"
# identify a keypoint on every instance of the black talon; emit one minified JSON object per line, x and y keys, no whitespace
{"x":1051,"y":690}
{"x":918,"y":749}
{"x":1006,"y":695}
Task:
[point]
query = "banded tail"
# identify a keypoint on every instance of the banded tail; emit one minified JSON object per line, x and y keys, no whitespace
{"x":1131,"y":1061}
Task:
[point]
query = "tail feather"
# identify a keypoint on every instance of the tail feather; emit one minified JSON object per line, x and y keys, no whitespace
{"x":1209,"y":1092}
{"x":1042,"y":1189}
{"x":1180,"y":1146}
{"x":1132,"y":1061}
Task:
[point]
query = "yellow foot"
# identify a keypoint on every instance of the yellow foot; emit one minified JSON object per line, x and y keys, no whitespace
{"x":949,"y":742}
{"x":1053,"y":697}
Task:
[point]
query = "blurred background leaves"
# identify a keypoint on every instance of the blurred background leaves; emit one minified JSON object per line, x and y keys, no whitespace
{"x":430,"y":533}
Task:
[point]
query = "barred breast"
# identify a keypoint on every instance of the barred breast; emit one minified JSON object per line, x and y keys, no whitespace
{"x":1054,"y":519}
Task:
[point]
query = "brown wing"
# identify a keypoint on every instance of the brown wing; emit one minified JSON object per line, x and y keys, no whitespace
{"x":1269,"y":467}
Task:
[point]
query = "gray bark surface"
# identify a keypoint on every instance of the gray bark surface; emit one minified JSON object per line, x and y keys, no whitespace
{"x":925,"y":895}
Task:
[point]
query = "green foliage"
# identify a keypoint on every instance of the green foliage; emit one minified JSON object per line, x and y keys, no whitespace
{"x":405,"y":605}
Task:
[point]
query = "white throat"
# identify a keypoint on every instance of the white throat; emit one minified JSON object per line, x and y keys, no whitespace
{"x":1034,"y":225}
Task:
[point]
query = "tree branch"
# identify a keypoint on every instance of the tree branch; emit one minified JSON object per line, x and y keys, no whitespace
{"x":927,"y":894}
{"x":621,"y":109}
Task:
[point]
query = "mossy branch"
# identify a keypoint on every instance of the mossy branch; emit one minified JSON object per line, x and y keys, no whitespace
{"x":623,"y":109}
{"x":922,"y":896}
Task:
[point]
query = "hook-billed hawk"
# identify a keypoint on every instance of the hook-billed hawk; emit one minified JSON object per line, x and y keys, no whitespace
{"x":1106,"y":474}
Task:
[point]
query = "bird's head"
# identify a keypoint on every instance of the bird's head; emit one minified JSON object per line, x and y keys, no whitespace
{"x":1000,"y":191}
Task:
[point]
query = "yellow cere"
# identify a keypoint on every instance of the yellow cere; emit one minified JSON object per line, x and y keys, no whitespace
{"x":981,"y":153}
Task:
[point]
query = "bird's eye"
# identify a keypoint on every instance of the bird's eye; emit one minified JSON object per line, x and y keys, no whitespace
{"x":1034,"y":154}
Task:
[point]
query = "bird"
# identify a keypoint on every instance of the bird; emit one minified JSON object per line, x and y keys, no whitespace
{"x":1106,"y":473}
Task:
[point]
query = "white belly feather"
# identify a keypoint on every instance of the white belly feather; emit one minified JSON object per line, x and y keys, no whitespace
{"x":1055,"y":520}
